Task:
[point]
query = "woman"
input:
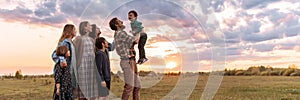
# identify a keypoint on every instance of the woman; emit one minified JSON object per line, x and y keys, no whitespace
{"x":68,"y":34}
{"x":85,"y":55}
{"x":94,"y":32}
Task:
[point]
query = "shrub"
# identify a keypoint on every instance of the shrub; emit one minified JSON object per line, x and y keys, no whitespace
{"x":288,"y":72}
{"x":281,"y":72}
{"x":264,"y":73}
{"x":262,"y":68}
{"x":274,"y":73}
{"x":239,"y":73}
{"x":255,"y":73}
{"x":229,"y":72}
{"x":246,"y":73}
{"x":295,"y":74}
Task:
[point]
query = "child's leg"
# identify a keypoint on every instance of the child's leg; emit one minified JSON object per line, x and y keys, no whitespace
{"x":141,"y":45}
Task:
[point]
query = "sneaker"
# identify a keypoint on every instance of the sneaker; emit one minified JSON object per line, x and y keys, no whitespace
{"x":139,"y":61}
{"x":143,"y":60}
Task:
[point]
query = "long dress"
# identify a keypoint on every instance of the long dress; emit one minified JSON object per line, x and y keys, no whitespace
{"x":87,"y":80}
{"x":62,"y":76}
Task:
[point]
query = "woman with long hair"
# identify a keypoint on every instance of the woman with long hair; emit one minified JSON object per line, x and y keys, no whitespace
{"x":69,"y":62}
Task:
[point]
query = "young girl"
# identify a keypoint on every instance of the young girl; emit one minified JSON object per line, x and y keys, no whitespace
{"x":62,"y":76}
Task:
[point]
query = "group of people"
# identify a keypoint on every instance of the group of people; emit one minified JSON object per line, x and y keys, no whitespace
{"x":82,"y":68}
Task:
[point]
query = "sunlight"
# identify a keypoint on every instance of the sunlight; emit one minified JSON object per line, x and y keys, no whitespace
{"x":171,"y":65}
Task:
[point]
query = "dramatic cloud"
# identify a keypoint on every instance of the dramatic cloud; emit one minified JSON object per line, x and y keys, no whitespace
{"x":247,"y":4}
{"x":251,"y":29}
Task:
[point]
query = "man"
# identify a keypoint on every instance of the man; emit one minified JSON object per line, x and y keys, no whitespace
{"x":122,"y":44}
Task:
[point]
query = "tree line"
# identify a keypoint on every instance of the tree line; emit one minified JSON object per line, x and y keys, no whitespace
{"x":292,"y":70}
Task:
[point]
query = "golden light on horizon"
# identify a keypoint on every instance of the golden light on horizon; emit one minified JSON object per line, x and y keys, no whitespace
{"x":171,"y":65}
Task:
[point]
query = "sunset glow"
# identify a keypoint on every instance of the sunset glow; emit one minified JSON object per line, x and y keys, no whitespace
{"x":171,"y":65}
{"x":256,"y":33}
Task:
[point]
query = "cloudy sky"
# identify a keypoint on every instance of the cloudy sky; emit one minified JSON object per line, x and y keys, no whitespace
{"x":183,"y":35}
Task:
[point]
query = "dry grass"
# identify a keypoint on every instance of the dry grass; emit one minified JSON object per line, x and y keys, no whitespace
{"x":232,"y":88}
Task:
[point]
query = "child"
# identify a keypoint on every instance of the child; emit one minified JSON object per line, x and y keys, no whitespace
{"x":103,"y":66}
{"x":137,"y":28}
{"x":62,"y":76}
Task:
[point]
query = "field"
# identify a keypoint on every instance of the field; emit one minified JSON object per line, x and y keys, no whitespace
{"x":232,"y":88}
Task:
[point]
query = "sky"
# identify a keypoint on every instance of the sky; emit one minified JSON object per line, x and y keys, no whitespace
{"x":183,"y":35}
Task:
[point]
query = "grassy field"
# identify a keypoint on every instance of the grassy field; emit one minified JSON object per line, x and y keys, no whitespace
{"x":232,"y":88}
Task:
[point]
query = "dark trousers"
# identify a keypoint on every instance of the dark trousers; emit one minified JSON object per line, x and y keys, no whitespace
{"x":141,"y":45}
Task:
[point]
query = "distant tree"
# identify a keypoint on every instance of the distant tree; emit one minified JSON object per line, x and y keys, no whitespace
{"x":292,"y":66}
{"x":269,"y":68}
{"x":229,"y":72}
{"x":254,"y":70}
{"x":288,"y":72}
{"x":18,"y":74}
{"x":262,"y":68}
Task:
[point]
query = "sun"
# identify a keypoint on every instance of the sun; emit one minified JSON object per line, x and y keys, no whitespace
{"x":171,"y":65}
